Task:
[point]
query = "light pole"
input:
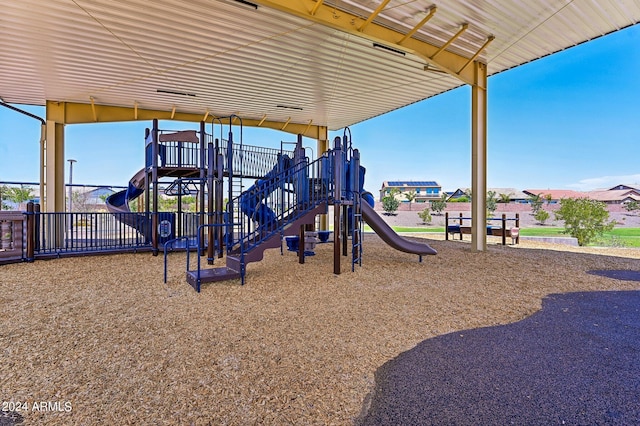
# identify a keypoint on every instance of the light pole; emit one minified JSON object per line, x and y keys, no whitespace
{"x":71,"y":161}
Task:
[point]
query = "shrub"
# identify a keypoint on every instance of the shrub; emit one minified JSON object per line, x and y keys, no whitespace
{"x":461,"y":199}
{"x":439,"y":205}
{"x":541,"y":216}
{"x":584,"y":219}
{"x":491,"y":203}
{"x":425,"y":215}
{"x":390,"y":204}
{"x":632,"y":206}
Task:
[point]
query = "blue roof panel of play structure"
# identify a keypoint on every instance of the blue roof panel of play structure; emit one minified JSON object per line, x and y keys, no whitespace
{"x":412,"y":183}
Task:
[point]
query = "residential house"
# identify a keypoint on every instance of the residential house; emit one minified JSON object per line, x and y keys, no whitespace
{"x":514,"y":195}
{"x":615,"y":196}
{"x":555,"y":195}
{"x":619,"y":194}
{"x":424,"y":190}
{"x":623,"y":186}
{"x":87,"y":198}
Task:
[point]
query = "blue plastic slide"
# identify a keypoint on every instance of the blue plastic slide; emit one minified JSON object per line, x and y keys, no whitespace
{"x":118,"y":204}
{"x":251,"y":201}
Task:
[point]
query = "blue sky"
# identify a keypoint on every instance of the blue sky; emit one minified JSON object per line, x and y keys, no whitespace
{"x":567,"y":121}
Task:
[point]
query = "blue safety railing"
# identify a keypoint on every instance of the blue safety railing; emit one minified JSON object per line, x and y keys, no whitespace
{"x":283,"y":196}
{"x":251,"y":161}
{"x":247,"y":161}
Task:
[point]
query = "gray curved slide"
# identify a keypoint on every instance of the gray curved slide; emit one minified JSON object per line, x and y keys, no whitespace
{"x":390,"y":236}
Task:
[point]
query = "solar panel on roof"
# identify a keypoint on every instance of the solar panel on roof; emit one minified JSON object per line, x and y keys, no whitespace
{"x":412,"y":183}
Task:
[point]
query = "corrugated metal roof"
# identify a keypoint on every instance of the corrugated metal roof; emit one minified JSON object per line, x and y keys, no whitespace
{"x":227,"y":58}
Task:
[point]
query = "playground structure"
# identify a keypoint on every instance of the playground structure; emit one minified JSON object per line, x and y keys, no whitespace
{"x":233,"y":219}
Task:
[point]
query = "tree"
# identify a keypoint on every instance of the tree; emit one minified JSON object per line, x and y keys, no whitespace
{"x":491,"y":202}
{"x":538,"y":213}
{"x":536,"y":202}
{"x":439,"y":205}
{"x":167,"y":204}
{"x":390,"y":204}
{"x":584,"y":219}
{"x":632,"y":206}
{"x":79,"y":201}
{"x":410,"y":196}
{"x":20,"y":195}
{"x":504,"y":198}
{"x":4,"y":194}
{"x":425,"y":215}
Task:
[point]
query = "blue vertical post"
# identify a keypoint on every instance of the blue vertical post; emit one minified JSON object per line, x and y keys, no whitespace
{"x":301,"y":183}
{"x":210,"y":203}
{"x":154,"y":181}
{"x":337,"y":207}
{"x":202,"y":151}
{"x":230,"y":189}
{"x":356,"y":217}
{"x":219,"y":201}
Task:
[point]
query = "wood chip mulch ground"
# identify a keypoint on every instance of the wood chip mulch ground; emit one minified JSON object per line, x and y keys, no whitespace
{"x":101,"y":340}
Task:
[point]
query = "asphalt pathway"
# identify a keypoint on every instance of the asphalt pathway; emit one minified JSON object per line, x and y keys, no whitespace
{"x":575,"y":362}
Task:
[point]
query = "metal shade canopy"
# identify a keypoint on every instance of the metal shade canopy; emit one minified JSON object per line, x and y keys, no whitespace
{"x":330,"y":63}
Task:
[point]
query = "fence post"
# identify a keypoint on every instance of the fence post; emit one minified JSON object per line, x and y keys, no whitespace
{"x":30,"y":231}
{"x":518,"y":226}
{"x":446,"y":226}
{"x":36,"y":226}
{"x":504,"y":229}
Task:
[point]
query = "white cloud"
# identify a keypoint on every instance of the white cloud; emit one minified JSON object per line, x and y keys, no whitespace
{"x":605,"y":182}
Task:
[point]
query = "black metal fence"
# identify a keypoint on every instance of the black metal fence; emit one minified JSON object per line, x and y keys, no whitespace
{"x":99,"y":232}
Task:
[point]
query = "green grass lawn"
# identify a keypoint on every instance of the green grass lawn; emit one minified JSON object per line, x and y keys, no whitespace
{"x":542,"y":232}
{"x":411,"y":229}
{"x":626,"y":237}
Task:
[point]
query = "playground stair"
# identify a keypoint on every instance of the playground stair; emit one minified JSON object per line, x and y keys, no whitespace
{"x":236,"y":261}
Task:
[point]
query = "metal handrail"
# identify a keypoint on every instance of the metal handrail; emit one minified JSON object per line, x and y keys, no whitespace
{"x":199,"y":245}
{"x":166,"y":245}
{"x":288,"y":204}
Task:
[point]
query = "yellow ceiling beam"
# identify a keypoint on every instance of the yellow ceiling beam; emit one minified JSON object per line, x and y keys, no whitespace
{"x":93,"y":109}
{"x":349,"y":23}
{"x":410,"y":34}
{"x":484,"y":46}
{"x":375,"y":13}
{"x":315,"y":8}
{"x":77,"y":113}
{"x":286,"y":124}
{"x":462,"y":29}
